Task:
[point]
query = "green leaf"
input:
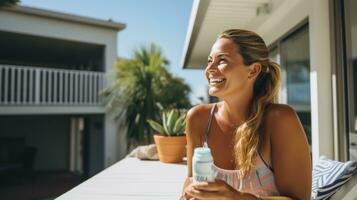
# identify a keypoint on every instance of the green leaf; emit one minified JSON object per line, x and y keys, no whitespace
{"x":179,"y":124}
{"x":182,"y":130}
{"x":156,"y":126}
{"x":171,"y":122}
{"x":164,"y":122}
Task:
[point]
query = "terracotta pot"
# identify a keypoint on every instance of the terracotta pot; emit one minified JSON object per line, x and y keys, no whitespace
{"x":171,"y":149}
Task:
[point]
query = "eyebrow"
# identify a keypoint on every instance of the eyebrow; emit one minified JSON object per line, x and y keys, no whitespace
{"x":220,"y":54}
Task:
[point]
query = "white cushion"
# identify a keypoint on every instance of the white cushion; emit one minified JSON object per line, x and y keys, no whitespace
{"x":329,"y":176}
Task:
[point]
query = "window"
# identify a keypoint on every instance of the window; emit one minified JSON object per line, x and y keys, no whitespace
{"x":293,"y":54}
{"x":350,"y":7}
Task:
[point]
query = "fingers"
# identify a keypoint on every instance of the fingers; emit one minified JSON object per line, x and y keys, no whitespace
{"x":188,"y":191}
{"x":206,"y":195}
{"x":218,"y":185}
{"x":209,"y":188}
{"x":205,"y":190}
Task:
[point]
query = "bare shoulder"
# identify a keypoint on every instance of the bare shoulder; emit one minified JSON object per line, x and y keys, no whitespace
{"x":199,"y":110}
{"x":282,"y":121}
{"x":275,"y":111}
{"x":196,"y":120}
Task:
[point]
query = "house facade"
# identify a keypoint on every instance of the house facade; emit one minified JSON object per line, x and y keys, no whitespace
{"x":52,"y":67}
{"x":314,"y":44}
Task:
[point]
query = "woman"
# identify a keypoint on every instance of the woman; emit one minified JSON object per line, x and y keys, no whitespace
{"x":259,"y":148}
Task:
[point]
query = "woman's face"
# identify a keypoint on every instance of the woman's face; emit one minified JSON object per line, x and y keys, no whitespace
{"x":226,"y":73}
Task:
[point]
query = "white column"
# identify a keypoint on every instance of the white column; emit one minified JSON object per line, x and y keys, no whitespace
{"x":321,"y":82}
{"x":111,"y":142}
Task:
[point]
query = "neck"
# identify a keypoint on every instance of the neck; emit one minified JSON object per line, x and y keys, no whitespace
{"x":236,"y":110}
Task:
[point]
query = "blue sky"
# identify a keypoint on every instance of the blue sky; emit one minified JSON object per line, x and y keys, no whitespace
{"x":164,"y":22}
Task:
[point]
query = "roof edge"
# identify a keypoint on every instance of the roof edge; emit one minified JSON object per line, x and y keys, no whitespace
{"x":198,"y":12}
{"x":65,"y":17}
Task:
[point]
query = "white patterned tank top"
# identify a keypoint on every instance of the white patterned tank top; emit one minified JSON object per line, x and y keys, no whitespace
{"x":259,"y":182}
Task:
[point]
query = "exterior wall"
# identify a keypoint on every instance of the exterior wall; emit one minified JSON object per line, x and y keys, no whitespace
{"x":281,"y":21}
{"x":115,"y":141}
{"x":49,"y":134}
{"x":122,"y":146}
{"x":54,"y":28}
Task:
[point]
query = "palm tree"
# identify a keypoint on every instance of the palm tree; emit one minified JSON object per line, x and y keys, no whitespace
{"x":141,"y":86}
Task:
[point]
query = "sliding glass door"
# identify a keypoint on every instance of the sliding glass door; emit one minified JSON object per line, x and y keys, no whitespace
{"x":350,"y":18}
{"x":292,"y":52}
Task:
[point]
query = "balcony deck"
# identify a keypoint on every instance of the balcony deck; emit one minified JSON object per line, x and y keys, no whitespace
{"x":133,"y":179}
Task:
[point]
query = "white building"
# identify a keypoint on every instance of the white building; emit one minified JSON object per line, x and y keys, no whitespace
{"x":312,"y":40}
{"x":52,"y":66}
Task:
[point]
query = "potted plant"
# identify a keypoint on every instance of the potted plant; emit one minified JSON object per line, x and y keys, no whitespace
{"x":170,"y":139}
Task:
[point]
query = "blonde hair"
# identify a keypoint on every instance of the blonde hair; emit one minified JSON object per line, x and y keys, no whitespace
{"x":248,"y":135}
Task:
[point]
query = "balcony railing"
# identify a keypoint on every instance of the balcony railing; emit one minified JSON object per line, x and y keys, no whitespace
{"x":44,"y":86}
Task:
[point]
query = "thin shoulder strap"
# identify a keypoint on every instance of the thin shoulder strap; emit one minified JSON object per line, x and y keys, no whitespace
{"x":205,"y":144}
{"x":265,"y":163}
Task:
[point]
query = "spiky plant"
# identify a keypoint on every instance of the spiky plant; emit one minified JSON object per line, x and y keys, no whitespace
{"x":173,"y":123}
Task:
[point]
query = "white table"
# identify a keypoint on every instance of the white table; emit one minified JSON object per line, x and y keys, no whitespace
{"x":131,"y":179}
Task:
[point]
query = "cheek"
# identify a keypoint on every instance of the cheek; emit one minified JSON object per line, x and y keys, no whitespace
{"x":235,"y":72}
{"x":224,"y":68}
{"x":239,"y":78}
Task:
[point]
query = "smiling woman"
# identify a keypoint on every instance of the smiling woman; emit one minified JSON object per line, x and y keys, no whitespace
{"x":253,"y":140}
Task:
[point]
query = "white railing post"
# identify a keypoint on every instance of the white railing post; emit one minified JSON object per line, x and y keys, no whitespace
{"x":101,"y":86}
{"x":55,"y":100}
{"x":31,"y":89}
{"x":49,"y":87}
{"x":37,"y":86}
{"x":18,"y":85}
{"x":90,"y":83}
{"x":75,"y":88}
{"x":71,"y":85}
{"x":85,"y":95}
{"x":80,"y":88}
{"x":43,"y":91}
{"x":60,"y":90}
{"x":96,"y":81}
{"x":12,"y":85}
{"x":66,"y":90}
{"x":24,"y":87}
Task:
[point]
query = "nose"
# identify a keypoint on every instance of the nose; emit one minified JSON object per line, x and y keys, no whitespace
{"x":211,"y":66}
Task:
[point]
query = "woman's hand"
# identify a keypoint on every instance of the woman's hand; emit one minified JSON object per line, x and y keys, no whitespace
{"x":188,"y":188}
{"x":218,"y":190}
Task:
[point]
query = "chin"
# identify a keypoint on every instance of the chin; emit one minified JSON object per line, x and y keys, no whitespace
{"x":214,"y":92}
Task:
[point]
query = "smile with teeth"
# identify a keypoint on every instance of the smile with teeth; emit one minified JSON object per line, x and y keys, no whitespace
{"x":214,"y":81}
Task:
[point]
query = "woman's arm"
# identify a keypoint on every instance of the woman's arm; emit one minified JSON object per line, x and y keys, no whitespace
{"x":290,"y":154}
{"x":195,"y":125}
